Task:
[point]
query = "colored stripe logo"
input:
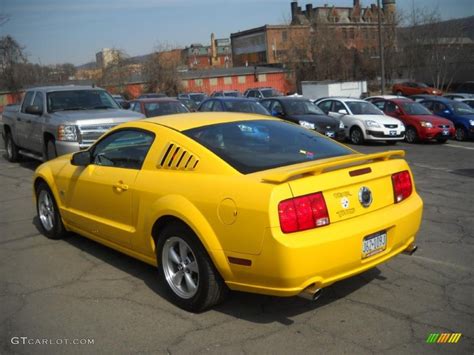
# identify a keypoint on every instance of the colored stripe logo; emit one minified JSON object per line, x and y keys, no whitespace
{"x":442,"y":338}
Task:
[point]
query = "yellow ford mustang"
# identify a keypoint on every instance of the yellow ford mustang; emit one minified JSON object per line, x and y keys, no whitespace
{"x":224,"y":201}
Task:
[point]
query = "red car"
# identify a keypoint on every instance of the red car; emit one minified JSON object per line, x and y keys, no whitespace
{"x":158,"y":106}
{"x":412,"y":88}
{"x":420,"y":123}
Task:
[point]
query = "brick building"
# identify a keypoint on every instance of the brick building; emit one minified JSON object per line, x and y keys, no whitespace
{"x":217,"y":55}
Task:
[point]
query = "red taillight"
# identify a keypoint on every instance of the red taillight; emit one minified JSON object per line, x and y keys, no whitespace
{"x":402,"y":186}
{"x":304,"y":212}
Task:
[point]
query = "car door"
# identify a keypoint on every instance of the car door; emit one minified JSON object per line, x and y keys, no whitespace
{"x":34,"y":126}
{"x":23,"y":121}
{"x":100,"y":195}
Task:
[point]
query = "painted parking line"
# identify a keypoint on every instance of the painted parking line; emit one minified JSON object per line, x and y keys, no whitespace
{"x":458,"y":146}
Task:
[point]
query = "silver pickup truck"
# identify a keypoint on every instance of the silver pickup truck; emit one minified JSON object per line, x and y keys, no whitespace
{"x":53,"y":121}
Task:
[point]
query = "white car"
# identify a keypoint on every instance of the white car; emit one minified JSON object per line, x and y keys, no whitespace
{"x":363,"y":121}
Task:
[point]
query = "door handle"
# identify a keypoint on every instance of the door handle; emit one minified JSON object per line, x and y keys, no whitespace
{"x":120,"y":186}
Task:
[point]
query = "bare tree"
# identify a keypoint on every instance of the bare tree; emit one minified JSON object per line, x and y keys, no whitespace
{"x":11,"y":59}
{"x":161,"y":70}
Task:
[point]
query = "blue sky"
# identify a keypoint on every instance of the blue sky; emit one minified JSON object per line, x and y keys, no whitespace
{"x":59,"y":31}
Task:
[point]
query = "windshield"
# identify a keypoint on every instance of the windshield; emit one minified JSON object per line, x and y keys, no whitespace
{"x":414,"y":108}
{"x":461,"y":108}
{"x":270,"y":93}
{"x":80,"y":100}
{"x":251,"y":146}
{"x":363,"y":108}
{"x":232,"y":93}
{"x":246,"y":106}
{"x":421,"y":85}
{"x":197,"y":97}
{"x":302,"y":107}
{"x":164,"y":108}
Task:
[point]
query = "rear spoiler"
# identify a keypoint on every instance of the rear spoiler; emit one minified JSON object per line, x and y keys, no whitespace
{"x":316,"y":169}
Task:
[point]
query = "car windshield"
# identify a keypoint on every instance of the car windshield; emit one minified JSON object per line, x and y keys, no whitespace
{"x":270,"y":93}
{"x":414,"y":108}
{"x":197,"y":97}
{"x":461,"y":108}
{"x":231,"y":93}
{"x":80,"y":100}
{"x":302,"y":107}
{"x":421,"y":85}
{"x":363,"y":108}
{"x":251,"y":146}
{"x":164,"y":108}
{"x":191,"y":104}
{"x":245,"y":106}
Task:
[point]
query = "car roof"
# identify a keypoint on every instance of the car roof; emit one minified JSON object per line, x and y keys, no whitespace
{"x":286,"y":98}
{"x":65,"y":88}
{"x":440,"y":99}
{"x":185,"y":121}
{"x":156,"y":99}
{"x":230,"y":98}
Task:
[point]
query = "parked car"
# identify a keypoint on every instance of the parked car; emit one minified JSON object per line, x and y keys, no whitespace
{"x":151,"y":96}
{"x":303,"y":112}
{"x":197,"y":97}
{"x":420,"y":123}
{"x":461,"y":114}
{"x":413,"y":88}
{"x":232,"y":104}
{"x":226,"y":93}
{"x":458,"y":96}
{"x":382,"y":97}
{"x":121,"y":101}
{"x":363,"y":121}
{"x":469,"y":102}
{"x":261,"y":93}
{"x":158,"y":107}
{"x":215,"y":208}
{"x":419,"y":98}
{"x":467,"y":87}
{"x":189,"y":103}
{"x":56,"y":120}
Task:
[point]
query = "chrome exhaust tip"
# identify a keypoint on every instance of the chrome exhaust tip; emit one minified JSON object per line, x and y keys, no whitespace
{"x":310,"y":293}
{"x":412,"y":248}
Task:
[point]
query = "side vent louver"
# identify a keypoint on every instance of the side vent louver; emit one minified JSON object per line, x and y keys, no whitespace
{"x":178,"y":158}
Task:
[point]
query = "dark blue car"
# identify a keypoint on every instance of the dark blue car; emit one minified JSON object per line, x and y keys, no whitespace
{"x":233,"y":104}
{"x":459,"y":113}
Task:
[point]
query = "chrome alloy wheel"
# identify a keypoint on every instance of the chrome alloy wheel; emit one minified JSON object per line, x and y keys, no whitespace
{"x":180,"y":267}
{"x":9,"y":148}
{"x":46,"y":210}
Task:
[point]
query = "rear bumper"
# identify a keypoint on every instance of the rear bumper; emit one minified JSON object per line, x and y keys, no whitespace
{"x":290,"y":263}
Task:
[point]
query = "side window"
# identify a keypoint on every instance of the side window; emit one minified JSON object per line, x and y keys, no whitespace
{"x":325,"y":106}
{"x":438,"y":107}
{"x":266,"y":104}
{"x":27,"y":100}
{"x":207,"y":106}
{"x":251,"y":93}
{"x":428,"y":105}
{"x":38,"y":101}
{"x":217,"y":106}
{"x":123,"y":149}
{"x":277,"y":107}
{"x":338,"y":106}
{"x":390,"y":107}
{"x":380,"y":104}
{"x":137,"y":107}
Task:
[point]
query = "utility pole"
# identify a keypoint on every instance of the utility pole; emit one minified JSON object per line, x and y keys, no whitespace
{"x":382,"y":62}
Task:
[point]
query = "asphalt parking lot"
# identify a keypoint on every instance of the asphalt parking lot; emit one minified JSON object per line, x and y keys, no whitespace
{"x":77,"y":290}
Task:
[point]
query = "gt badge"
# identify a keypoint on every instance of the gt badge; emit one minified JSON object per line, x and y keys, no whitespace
{"x":365,"y":196}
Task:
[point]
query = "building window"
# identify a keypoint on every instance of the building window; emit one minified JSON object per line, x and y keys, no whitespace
{"x":185,"y":83}
{"x":241,"y":79}
{"x":262,"y":78}
{"x":198,"y":82}
{"x":213,"y":81}
{"x":227,"y":80}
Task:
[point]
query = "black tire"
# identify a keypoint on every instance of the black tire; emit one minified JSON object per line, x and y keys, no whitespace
{"x":50,"y":150}
{"x":411,"y":136}
{"x":53,"y":229}
{"x":460,"y":134}
{"x":211,"y":288}
{"x":12,"y":150}
{"x":356,"y":136}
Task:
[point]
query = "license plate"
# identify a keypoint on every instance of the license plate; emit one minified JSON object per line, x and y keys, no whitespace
{"x":330,"y":134}
{"x":374,"y":244}
{"x":445,"y":132}
{"x":393,"y":133}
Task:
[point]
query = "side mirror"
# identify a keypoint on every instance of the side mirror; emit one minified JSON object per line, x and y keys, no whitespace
{"x":342,"y":112}
{"x":125,"y":105}
{"x":81,"y":158}
{"x":34,"y":110}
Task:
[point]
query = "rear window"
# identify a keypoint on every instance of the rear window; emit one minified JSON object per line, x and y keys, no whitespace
{"x":164,"y":108}
{"x":251,"y":146}
{"x":245,"y":106}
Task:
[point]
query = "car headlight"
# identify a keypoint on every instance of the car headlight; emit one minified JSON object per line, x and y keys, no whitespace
{"x":426,"y":124}
{"x":341,"y":125}
{"x":434,"y":92}
{"x":371,"y":123}
{"x":306,"y":124}
{"x":471,"y":122}
{"x":67,"y":133}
